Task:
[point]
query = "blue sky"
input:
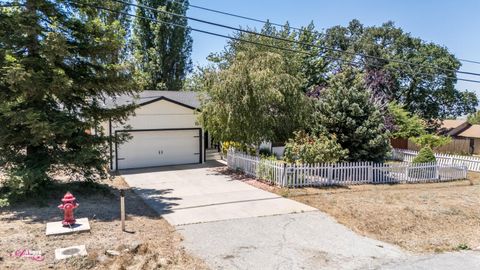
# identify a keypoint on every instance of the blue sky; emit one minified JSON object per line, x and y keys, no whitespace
{"x":454,"y":24}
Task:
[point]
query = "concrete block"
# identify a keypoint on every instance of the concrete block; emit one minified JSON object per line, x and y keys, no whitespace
{"x":56,"y":228}
{"x":63,"y":253}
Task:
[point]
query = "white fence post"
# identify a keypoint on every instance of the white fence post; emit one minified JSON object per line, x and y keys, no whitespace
{"x":370,"y":172}
{"x":284,"y":174}
{"x":330,"y":174}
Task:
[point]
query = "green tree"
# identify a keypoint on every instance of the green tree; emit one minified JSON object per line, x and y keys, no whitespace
{"x":253,"y":97}
{"x":161,"y":51}
{"x":116,"y":16}
{"x":345,"y":109}
{"x":58,"y":62}
{"x":406,"y":125}
{"x":474,"y":118}
{"x":297,"y":48}
{"x":432,"y":141}
{"x":421,"y":88}
{"x":257,"y":92}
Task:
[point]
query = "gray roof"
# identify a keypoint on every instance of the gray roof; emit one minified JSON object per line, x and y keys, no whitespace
{"x":189,"y":98}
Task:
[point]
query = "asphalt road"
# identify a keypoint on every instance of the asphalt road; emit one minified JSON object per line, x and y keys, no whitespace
{"x":232,"y":225}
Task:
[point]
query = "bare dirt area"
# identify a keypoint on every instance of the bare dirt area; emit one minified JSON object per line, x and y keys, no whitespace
{"x":151,"y":242}
{"x":432,"y":217}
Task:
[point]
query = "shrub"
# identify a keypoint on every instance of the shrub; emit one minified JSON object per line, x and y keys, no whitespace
{"x":463,"y":246}
{"x":425,"y":155}
{"x":305,"y":148}
{"x":264,"y":171}
{"x":432,"y":141}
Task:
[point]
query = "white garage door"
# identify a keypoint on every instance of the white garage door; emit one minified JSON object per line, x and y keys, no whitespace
{"x":159,"y":148}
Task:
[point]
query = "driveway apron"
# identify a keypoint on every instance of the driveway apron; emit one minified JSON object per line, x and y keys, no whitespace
{"x":232,"y":225}
{"x":198,"y":193}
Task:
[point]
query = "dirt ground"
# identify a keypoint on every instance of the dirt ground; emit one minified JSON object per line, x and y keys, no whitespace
{"x":433,"y":217}
{"x":151,"y":242}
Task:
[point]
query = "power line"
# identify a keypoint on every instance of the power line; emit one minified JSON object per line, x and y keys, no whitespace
{"x":293,"y":41}
{"x":469,"y":61}
{"x":190,"y":28}
{"x":212,"y":33}
{"x":244,"y":40}
{"x":277,"y":24}
{"x":243,"y":17}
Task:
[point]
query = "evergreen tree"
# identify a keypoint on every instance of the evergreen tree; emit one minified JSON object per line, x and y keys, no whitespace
{"x":58,"y":62}
{"x":313,"y":65}
{"x":161,"y":51}
{"x":118,"y":18}
{"x":426,"y":155}
{"x":345,"y":109}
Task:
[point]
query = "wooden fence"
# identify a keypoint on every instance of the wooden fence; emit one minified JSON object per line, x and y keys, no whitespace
{"x":352,"y":173}
{"x":472,"y":163}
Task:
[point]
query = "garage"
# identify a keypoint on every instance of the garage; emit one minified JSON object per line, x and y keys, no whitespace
{"x":153,"y":148}
{"x":164,"y":130}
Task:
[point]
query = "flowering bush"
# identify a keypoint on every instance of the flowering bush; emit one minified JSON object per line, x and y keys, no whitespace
{"x":306,"y":148}
{"x":238,"y":146}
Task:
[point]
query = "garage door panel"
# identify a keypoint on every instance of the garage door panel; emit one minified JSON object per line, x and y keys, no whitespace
{"x":159,"y":148}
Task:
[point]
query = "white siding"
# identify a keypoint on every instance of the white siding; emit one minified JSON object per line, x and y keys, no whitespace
{"x":160,"y":114}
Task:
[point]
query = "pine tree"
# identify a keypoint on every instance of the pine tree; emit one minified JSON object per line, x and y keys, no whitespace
{"x":161,"y":51}
{"x":345,"y":109}
{"x":58,"y":62}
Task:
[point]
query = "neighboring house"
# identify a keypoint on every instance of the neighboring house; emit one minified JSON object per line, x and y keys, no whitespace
{"x":164,"y":131}
{"x":453,"y":127}
{"x":472,"y":134}
{"x":465,"y":137}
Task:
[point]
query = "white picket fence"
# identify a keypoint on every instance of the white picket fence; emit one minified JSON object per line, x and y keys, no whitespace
{"x":472,"y":163}
{"x":351,"y":173}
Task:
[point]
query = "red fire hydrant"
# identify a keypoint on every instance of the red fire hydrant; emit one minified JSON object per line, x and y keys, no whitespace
{"x":68,"y":205}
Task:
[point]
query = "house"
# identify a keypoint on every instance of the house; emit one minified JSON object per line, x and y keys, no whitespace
{"x":472,"y":133}
{"x":465,"y":137}
{"x":451,"y":127}
{"x":164,"y":130}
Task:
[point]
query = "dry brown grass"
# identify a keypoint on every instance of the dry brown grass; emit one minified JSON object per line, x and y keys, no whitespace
{"x":152,"y":244}
{"x":418,"y":217}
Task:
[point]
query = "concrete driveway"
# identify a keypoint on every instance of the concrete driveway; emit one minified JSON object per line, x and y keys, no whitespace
{"x":232,"y":225}
{"x":197,"y":193}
